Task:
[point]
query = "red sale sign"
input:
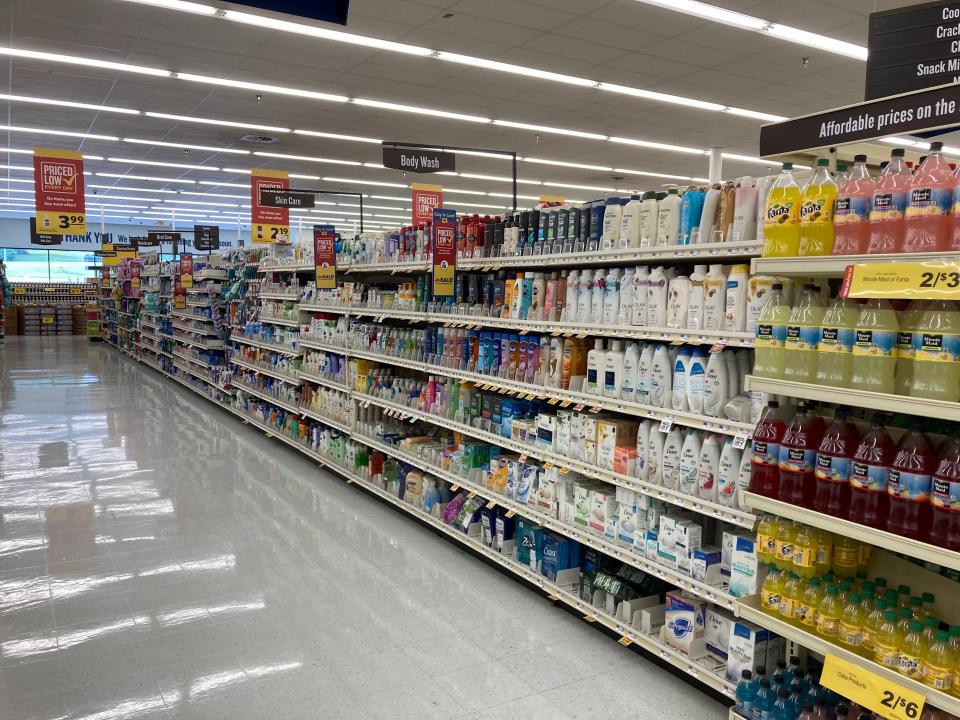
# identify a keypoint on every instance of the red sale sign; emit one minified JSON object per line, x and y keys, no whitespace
{"x":426,"y":199}
{"x":325,"y":256}
{"x":444,"y":253}
{"x":58,"y":192}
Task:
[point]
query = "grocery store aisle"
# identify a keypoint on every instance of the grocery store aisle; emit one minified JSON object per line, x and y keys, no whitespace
{"x":160,"y":560}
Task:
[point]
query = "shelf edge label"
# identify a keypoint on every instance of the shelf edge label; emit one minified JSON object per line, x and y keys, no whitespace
{"x":907,"y":281}
{"x":869,"y":690}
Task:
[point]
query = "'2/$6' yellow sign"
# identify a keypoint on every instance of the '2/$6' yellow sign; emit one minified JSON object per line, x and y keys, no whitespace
{"x":870,"y":690}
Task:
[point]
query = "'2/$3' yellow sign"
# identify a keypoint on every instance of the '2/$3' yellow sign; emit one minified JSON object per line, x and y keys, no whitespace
{"x":920,"y":280}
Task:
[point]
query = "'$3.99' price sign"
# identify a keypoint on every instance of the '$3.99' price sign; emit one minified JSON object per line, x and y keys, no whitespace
{"x":870,"y":690}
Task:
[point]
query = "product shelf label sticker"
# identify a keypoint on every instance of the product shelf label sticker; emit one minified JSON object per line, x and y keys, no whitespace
{"x":870,"y":690}
{"x":931,"y":280}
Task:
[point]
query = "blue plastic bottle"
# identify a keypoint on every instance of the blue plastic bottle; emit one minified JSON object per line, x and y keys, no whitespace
{"x":744,"y":693}
{"x":782,"y":707}
{"x":763,"y":702}
{"x":691,"y":208}
{"x":796,"y":697}
{"x":757,"y":677}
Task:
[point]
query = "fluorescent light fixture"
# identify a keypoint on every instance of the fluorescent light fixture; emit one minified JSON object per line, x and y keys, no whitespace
{"x":130,"y":189}
{"x":217,"y":183}
{"x":115,"y":205}
{"x":519,"y":197}
{"x":184,"y":166}
{"x":298,"y":176}
{"x":478,"y":153}
{"x":659,"y":146}
{"x":24,"y":168}
{"x":768,"y":117}
{"x":214,"y":121}
{"x":549,"y":129}
{"x":199,"y":202}
{"x":377,"y":166}
{"x":496,"y":178}
{"x":88,"y":62}
{"x":219,"y":195}
{"x":16,"y":180}
{"x":190,"y":7}
{"x":96,"y":198}
{"x":15,"y":190}
{"x":337,"y":136}
{"x":148,"y":178}
{"x":661,"y":97}
{"x":261,"y":87}
{"x":186,"y":146}
{"x":64,"y":133}
{"x":68,"y":104}
{"x":645,"y":173}
{"x":363,"y":182}
{"x":561,"y":163}
{"x":815,"y":40}
{"x":308,"y":158}
{"x":392,"y":217}
{"x":579,"y":187}
{"x":513,"y":69}
{"x":241,"y":171}
{"x":419,"y":110}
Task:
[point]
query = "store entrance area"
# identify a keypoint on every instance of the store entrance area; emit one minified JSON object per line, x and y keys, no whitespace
{"x":160,"y":559}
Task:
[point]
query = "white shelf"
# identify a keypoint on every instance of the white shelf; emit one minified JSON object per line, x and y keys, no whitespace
{"x":274,"y":320}
{"x":156,"y":350}
{"x":391,"y":267}
{"x":292,"y":407}
{"x":289,"y":297}
{"x":836,"y":265}
{"x":336,"y":424}
{"x":194,"y":360}
{"x":326,"y":382}
{"x":285,"y":377}
{"x":903,"y":404}
{"x":190,"y":316}
{"x":276,"y":347}
{"x":210,"y":274}
{"x":267,"y":266}
{"x":195,"y":331}
{"x":749,"y":609}
{"x":205,"y":345}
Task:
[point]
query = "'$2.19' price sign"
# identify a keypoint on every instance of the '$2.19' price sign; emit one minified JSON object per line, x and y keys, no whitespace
{"x":883,"y":696}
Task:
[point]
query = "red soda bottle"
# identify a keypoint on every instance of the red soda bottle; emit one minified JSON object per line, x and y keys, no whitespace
{"x":869,"y":503}
{"x":798,"y":456}
{"x":945,"y":498}
{"x":832,"y":471}
{"x":764,"y":472}
{"x":908,"y":486}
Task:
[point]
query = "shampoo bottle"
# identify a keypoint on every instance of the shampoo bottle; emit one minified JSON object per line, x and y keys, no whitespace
{"x":630,"y":223}
{"x":612,"y":216}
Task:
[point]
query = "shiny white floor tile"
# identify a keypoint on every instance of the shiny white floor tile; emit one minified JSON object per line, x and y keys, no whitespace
{"x":160,"y":560}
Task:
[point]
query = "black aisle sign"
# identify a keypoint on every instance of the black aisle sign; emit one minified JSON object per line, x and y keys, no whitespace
{"x":418,"y":161}
{"x":139,"y":241}
{"x":271,"y":197}
{"x":206,"y":237}
{"x":42,"y":238}
{"x":155,"y":238}
{"x":912,"y":48}
{"x":903,"y":114}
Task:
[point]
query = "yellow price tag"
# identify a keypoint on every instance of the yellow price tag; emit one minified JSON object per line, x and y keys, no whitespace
{"x":566,"y":404}
{"x":552,"y":401}
{"x":524,"y":332}
{"x":547,"y":465}
{"x":47,"y":320}
{"x":271,"y":234}
{"x":454,"y":487}
{"x":471,"y":495}
{"x":564,"y":470}
{"x":492,"y":504}
{"x":590,"y":618}
{"x":625,"y":641}
{"x":928,"y":280}
{"x":531,"y":396}
{"x":61,"y":223}
{"x":870,"y":690}
{"x":76,"y":291}
{"x":510,"y":513}
{"x":19,"y":291}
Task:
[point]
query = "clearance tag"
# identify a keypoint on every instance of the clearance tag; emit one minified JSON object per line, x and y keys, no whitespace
{"x":926,"y":280}
{"x":872,"y":691}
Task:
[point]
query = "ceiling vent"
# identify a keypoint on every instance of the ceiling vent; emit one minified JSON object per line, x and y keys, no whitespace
{"x":258,"y":139}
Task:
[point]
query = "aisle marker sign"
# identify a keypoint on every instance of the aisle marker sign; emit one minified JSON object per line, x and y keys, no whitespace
{"x":325,"y":256}
{"x":908,"y":281}
{"x":426,"y":199}
{"x":269,"y":224}
{"x":444,"y":251}
{"x":58,"y":191}
{"x":186,"y":271}
{"x":872,"y":691}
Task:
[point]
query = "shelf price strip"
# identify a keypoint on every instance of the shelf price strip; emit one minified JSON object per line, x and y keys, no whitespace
{"x":872,"y":691}
{"x":919,"y":280}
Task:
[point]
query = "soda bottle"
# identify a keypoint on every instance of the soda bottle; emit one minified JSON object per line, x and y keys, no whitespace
{"x":763,"y":701}
{"x":790,"y":599}
{"x":781,"y":226}
{"x":929,"y":604}
{"x":903,"y":596}
{"x":851,"y":625}
{"x":908,"y":486}
{"x":837,"y":337}
{"x":844,"y":589}
{"x":845,"y":556}
{"x":830,"y":612}
{"x":771,"y":331}
{"x":904,"y":618}
{"x":888,"y":205}
{"x":938,"y":666}
{"x":864,"y":553}
{"x":810,"y":605}
{"x":771,"y":591}
{"x":930,"y":627}
{"x":851,"y":215}
{"x":785,"y":543}
{"x":782,"y":708}
{"x":945,"y":500}
{"x":824,"y":560}
{"x":936,"y":353}
{"x":888,"y":642}
{"x":927,"y":219}
{"x":909,"y":324}
{"x":765,"y":453}
{"x":803,"y":336}
{"x":745,"y":693}
{"x":832,"y":472}
{"x":875,"y":347}
{"x":767,"y":539}
{"x":871,"y":625}
{"x":869,"y":504}
{"x":816,"y":212}
{"x":913,"y":653}
{"x":782,"y":676}
{"x":805,"y":552}
{"x":798,"y":456}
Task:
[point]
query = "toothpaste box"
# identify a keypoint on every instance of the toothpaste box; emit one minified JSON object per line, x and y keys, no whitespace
{"x":685,"y":623}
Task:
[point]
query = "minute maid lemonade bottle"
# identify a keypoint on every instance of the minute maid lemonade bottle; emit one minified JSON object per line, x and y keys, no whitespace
{"x":936,"y":353}
{"x":781,"y":227}
{"x":816,"y":212}
{"x":875,"y":347}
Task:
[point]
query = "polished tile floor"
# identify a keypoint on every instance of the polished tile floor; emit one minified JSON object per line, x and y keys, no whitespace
{"x":160,"y":560}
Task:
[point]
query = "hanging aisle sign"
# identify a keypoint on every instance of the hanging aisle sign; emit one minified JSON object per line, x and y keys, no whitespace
{"x":206,"y":237}
{"x":444,"y":251}
{"x":268,"y":224}
{"x":426,"y":198}
{"x":58,"y":192}
{"x":418,"y":161}
{"x":179,"y":294}
{"x":186,"y":270}
{"x":325,"y":256}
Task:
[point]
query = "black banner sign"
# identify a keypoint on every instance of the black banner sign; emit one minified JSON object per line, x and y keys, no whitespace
{"x":42,"y":238}
{"x":155,"y":238}
{"x":271,"y":197}
{"x":206,"y":237}
{"x":418,"y":161}
{"x":104,"y":253}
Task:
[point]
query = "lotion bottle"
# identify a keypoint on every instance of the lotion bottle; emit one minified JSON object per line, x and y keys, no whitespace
{"x":714,"y":302}
{"x":641,"y":281}
{"x":631,"y":370}
{"x":687,"y":473}
{"x":727,"y":472}
{"x":661,"y":378}
{"x":645,"y":374}
{"x":672,"y":447}
{"x":678,"y":300}
{"x":696,"y":377}
{"x":595,"y":368}
{"x":696,"y":298}
{"x":708,"y":468}
{"x":657,"y":299}
{"x":613,"y":370}
{"x":611,"y":297}
{"x":681,"y":368}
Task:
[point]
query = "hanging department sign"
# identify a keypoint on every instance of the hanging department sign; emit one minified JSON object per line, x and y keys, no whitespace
{"x":58,"y":192}
{"x":418,"y":161}
{"x":206,"y":237}
{"x":268,"y":224}
{"x":325,"y":256}
{"x":444,"y":251}
{"x":155,"y":238}
{"x":426,"y":199}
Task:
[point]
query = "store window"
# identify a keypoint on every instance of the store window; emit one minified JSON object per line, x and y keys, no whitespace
{"x":47,"y":265}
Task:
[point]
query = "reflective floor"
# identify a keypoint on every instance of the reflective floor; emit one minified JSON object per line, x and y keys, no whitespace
{"x":159,"y":559}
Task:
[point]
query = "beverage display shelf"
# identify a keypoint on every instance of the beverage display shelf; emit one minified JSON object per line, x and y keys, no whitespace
{"x":285,"y":377}
{"x":901,"y":404}
{"x":266,"y":266}
{"x":205,"y":345}
{"x":716,"y":595}
{"x":836,"y":265}
{"x":290,"y":297}
{"x":276,"y":320}
{"x":555,"y":328}
{"x":190,"y":316}
{"x":320,"y":417}
{"x":276,"y":347}
{"x":197,"y":361}
{"x":564,"y":398}
{"x":289,"y":406}
{"x":191,"y":329}
{"x":326,"y":382}
{"x":846,"y":528}
{"x":748,"y":608}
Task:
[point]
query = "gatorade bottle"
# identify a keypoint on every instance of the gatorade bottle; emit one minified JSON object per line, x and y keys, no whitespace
{"x":828,"y":620}
{"x":936,"y":353}
{"x":851,"y":216}
{"x":832,"y":472}
{"x":927,"y":219}
{"x":851,"y":625}
{"x":888,"y":206}
{"x":909,"y":324}
{"x":763,"y":701}
{"x":945,"y":497}
{"x":908,"y":486}
{"x":770,"y":335}
{"x":781,"y":227}
{"x":835,"y":349}
{"x":798,"y":457}
{"x":938,"y":666}
{"x":875,"y":347}
{"x":889,"y":640}
{"x":816,"y":212}
{"x":803,"y":336}
{"x":913,"y":652}
{"x":869,"y":503}
{"x":765,"y":453}
{"x":766,"y":539}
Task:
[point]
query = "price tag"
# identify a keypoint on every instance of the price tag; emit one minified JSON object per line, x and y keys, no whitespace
{"x":524,"y":332}
{"x":471,"y":495}
{"x":531,"y":396}
{"x":581,"y":336}
{"x":547,"y":465}
{"x":566,"y":404}
{"x":510,"y":513}
{"x":717,"y":347}
{"x":491,"y":505}
{"x":454,"y":487}
{"x":677,"y":341}
{"x":740,"y":440}
{"x":595,"y":410}
{"x":579,"y":407}
{"x":933,"y":280}
{"x":564,"y":470}
{"x":522,"y":459}
{"x":872,"y":691}
{"x":666,"y":424}
{"x":590,"y":618}
{"x":47,"y":320}
{"x":76,"y":291}
{"x":19,"y":291}
{"x":555,"y":334}
{"x":625,"y":641}
{"x":552,"y":401}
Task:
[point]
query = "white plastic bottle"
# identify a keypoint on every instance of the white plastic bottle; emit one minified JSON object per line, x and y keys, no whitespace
{"x":625,"y":312}
{"x":727,"y":473}
{"x":716,"y":385}
{"x":655,"y":456}
{"x":649,"y":216}
{"x":641,"y":280}
{"x":612,"y":216}
{"x":678,"y":393}
{"x":596,"y":362}
{"x":715,"y":298}
{"x":570,"y":306}
{"x":556,"y":362}
{"x":631,"y":369}
{"x":763,"y":188}
{"x":643,"y":448}
{"x":672,"y":446}
{"x":687,"y":473}
{"x":709,"y":468}
{"x":599,"y":293}
{"x":678,"y":300}
{"x":657,"y":299}
{"x":585,"y":297}
{"x":696,"y":378}
{"x":611,"y":297}
{"x":645,"y":374}
{"x":661,"y":378}
{"x":696,"y":298}
{"x":743,"y":475}
{"x":708,"y":217}
{"x":735,"y":318}
{"x":668,"y":222}
{"x":759,"y":288}
{"x":734,"y":377}
{"x":630,"y":223}
{"x":539,"y":295}
{"x":613,"y":370}
{"x":745,"y":211}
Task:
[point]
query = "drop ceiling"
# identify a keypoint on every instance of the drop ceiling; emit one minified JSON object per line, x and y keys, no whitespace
{"x":619,"y":41}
